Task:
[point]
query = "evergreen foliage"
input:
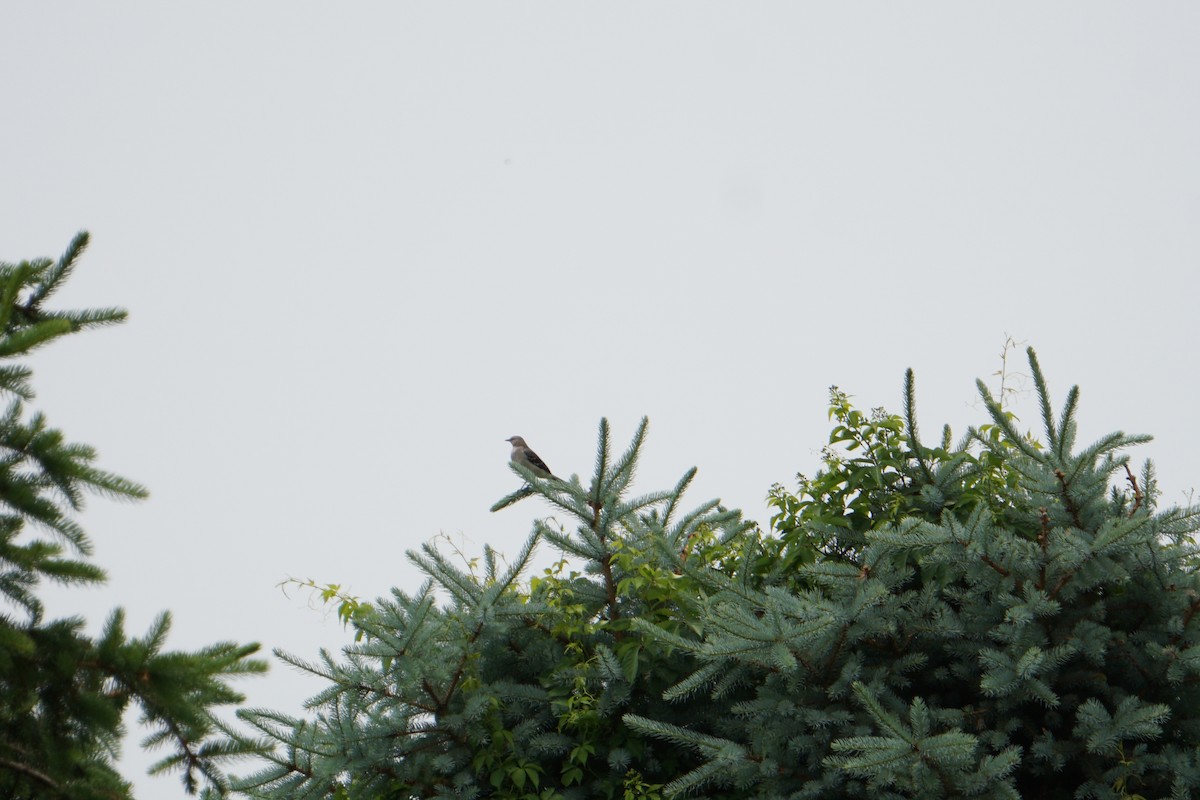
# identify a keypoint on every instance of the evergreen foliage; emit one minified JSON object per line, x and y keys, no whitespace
{"x":996,"y":618}
{"x":62,"y":693}
{"x":1019,"y":628}
{"x":514,"y":690}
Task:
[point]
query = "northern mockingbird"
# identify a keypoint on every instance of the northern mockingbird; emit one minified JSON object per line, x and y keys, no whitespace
{"x":521,"y":454}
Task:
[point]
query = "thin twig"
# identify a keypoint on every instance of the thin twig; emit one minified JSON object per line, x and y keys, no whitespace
{"x":1137,"y":493}
{"x":1061,"y":583}
{"x":1043,"y":541}
{"x":1067,"y":501}
{"x":610,"y":583}
{"x":987,"y":560}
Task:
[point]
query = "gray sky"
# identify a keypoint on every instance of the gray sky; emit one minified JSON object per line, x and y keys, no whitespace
{"x":362,"y":244}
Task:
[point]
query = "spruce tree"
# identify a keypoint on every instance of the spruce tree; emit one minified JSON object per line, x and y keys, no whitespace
{"x":1022,"y":625}
{"x":62,"y":693}
{"x":482,"y":685}
{"x":999,"y":617}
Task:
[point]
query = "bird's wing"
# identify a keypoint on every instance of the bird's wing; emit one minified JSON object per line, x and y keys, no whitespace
{"x":536,"y":460}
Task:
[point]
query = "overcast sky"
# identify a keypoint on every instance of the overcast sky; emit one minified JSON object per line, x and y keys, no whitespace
{"x":362,"y":244}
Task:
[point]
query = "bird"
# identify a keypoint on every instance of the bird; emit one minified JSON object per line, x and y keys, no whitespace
{"x":521,"y":454}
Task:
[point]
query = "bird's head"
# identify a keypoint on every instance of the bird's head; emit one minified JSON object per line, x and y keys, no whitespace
{"x":516,"y":441}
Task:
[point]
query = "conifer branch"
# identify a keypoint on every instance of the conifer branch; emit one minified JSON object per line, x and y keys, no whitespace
{"x":508,"y":500}
{"x":1068,"y":501}
{"x":57,"y":274}
{"x":602,"y":447}
{"x":836,"y":651}
{"x":623,"y":470}
{"x":1043,"y":399}
{"x":987,"y":560}
{"x":87,"y":318}
{"x":1003,"y":422}
{"x":16,"y":279}
{"x":1137,"y":495}
{"x":1044,"y":544}
{"x":910,"y":420}
{"x":26,"y":769}
{"x":676,"y":494}
{"x":1191,"y":612}
{"x":460,"y":669}
{"x":438,"y":704}
{"x":1062,"y":582}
